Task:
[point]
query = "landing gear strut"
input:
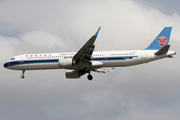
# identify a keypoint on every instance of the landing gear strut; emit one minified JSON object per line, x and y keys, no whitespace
{"x":86,"y":70}
{"x":22,"y":76}
{"x":90,"y":77}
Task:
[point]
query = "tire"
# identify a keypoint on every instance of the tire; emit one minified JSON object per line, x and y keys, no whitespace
{"x":22,"y":76}
{"x":90,"y":77}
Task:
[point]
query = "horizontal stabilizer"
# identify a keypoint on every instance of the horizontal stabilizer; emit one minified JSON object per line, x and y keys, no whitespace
{"x":170,"y":56}
{"x":163,"y":50}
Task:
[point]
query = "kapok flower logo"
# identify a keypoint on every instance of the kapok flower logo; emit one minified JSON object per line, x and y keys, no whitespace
{"x":162,"y":40}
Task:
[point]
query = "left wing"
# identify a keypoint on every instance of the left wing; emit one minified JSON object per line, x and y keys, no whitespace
{"x":103,"y":71}
{"x":83,"y":56}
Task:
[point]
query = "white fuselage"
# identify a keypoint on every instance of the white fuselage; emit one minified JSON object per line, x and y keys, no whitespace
{"x":98,"y":59}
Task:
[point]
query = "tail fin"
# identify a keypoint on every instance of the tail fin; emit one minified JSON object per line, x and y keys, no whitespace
{"x":161,"y":40}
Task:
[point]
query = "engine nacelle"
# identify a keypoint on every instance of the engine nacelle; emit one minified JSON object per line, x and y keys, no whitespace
{"x":65,"y":62}
{"x":74,"y":74}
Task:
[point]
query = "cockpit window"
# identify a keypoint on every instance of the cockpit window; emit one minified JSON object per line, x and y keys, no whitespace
{"x":12,"y":58}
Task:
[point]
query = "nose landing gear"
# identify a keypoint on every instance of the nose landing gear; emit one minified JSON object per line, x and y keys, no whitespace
{"x":23,"y":72}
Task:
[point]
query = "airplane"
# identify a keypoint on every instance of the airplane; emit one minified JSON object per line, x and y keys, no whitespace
{"x":87,"y":60}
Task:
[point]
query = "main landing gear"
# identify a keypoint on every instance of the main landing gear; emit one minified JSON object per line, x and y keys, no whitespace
{"x":90,"y":77}
{"x":23,"y":72}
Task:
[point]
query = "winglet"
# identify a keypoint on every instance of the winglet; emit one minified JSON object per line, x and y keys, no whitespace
{"x":97,"y":32}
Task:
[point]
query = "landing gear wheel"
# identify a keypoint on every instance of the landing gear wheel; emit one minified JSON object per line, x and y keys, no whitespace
{"x":90,"y":77}
{"x":22,"y":76}
{"x":23,"y":72}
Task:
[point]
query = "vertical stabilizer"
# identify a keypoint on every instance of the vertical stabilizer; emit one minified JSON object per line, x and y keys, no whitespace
{"x":161,"y":40}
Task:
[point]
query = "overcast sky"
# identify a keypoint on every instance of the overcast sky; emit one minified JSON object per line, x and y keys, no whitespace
{"x":149,"y":91}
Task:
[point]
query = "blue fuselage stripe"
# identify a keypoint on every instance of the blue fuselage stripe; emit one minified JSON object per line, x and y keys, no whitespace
{"x":21,"y":62}
{"x":109,"y":58}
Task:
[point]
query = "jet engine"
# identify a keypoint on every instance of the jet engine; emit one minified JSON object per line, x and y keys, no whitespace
{"x":65,"y":62}
{"x":74,"y":73}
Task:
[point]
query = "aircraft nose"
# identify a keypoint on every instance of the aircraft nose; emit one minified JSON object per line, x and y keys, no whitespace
{"x":6,"y":64}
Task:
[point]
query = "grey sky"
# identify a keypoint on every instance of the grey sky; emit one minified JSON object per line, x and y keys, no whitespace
{"x":165,"y":6}
{"x":148,"y":91}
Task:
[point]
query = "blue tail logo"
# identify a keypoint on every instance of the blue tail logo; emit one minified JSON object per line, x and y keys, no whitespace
{"x":161,"y":40}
